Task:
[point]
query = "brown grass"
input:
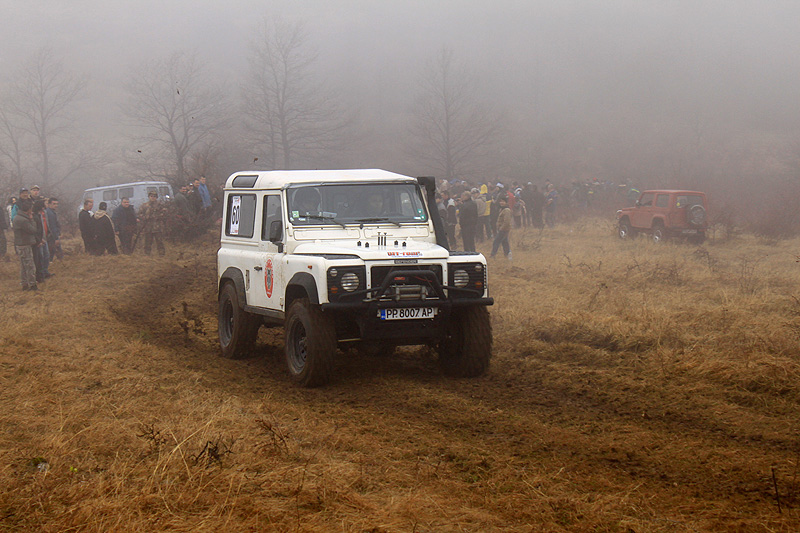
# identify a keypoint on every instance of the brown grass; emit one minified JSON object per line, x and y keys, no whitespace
{"x":634,"y":388}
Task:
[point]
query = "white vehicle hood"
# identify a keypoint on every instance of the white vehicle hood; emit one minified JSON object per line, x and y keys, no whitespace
{"x":412,"y":249}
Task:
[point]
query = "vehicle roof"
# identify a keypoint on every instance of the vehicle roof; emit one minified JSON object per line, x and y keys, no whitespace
{"x":671,"y":191}
{"x":279,"y":178}
{"x":101,"y":187}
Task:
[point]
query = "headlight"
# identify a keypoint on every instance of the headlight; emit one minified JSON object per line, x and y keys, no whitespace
{"x":460,"y":278}
{"x":349,"y":282}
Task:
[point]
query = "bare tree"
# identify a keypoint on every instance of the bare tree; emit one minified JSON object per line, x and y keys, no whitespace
{"x":179,"y":109}
{"x":39,"y":101}
{"x":12,"y":138}
{"x":451,"y":131}
{"x":292,"y":115}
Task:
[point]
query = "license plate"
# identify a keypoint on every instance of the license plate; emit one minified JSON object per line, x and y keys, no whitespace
{"x":407,"y":313}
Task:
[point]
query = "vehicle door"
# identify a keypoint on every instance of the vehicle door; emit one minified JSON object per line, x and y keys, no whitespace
{"x":661,"y":209}
{"x":643,"y":214}
{"x":240,"y":241}
{"x":268,"y":282}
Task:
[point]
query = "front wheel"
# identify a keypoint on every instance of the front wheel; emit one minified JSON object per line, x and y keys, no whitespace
{"x":467,"y":347}
{"x":238,"y":329}
{"x":310,"y":344}
{"x":625,"y":231}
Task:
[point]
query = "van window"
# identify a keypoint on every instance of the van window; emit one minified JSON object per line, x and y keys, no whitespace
{"x":126,"y":192}
{"x":109,"y":195}
{"x":272,"y":211}
{"x":163,"y":191}
{"x":241,"y":218}
{"x":152,"y":189}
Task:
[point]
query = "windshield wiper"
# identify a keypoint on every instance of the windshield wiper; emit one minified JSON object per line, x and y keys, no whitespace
{"x":378,"y":219}
{"x":323,"y":217}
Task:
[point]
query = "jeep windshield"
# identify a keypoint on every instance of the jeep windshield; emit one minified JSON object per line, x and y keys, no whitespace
{"x":361,"y":203}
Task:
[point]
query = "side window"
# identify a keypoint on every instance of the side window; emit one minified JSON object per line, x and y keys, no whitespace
{"x":272,"y":212}
{"x":163,"y":191}
{"x":241,"y":217}
{"x":647,"y":200}
{"x":109,"y":195}
{"x":662,"y":200}
{"x":126,"y":192}
{"x":152,"y":189}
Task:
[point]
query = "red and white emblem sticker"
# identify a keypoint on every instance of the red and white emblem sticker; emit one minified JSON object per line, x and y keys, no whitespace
{"x":268,"y":278}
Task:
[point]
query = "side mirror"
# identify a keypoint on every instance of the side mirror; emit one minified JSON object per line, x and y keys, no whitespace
{"x":275,"y":231}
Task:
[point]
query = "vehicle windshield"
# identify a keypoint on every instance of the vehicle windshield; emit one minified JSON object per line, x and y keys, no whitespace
{"x":688,"y":200}
{"x":362,"y":203}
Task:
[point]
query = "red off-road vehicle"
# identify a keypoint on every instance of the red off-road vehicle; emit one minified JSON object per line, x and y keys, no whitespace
{"x":665,"y":214}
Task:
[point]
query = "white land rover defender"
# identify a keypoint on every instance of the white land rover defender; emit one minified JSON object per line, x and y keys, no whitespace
{"x":347,"y":256}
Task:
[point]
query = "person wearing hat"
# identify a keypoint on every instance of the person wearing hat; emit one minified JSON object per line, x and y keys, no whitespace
{"x":35,"y":191}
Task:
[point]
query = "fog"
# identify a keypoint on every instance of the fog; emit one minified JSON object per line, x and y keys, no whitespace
{"x":661,"y":93}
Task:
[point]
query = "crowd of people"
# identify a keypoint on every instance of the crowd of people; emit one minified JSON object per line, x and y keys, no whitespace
{"x":37,"y":235}
{"x":485,"y":211}
{"x":37,"y":228}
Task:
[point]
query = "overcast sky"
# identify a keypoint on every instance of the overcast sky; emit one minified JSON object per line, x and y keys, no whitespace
{"x":554,"y":63}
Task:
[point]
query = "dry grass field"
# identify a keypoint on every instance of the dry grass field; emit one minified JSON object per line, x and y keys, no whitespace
{"x":634,"y":388}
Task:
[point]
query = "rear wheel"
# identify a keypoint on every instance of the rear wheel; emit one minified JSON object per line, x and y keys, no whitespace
{"x":659,"y":233}
{"x":238,"y":329}
{"x":310,"y":344}
{"x":698,"y":239}
{"x":467,"y":347}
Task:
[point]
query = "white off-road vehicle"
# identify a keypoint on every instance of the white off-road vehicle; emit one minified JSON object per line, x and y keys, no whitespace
{"x":347,"y":256}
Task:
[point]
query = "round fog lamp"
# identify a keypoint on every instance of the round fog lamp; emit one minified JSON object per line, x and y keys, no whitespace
{"x":460,"y":278}
{"x":349,"y":282}
{"x":333,"y":272}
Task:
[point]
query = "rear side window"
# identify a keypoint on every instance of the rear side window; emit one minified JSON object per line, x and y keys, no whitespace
{"x":272,"y":212}
{"x":241,"y":217}
{"x":109,"y":195}
{"x":126,"y":192}
{"x":152,"y":189}
{"x":163,"y":191}
{"x":662,"y":200}
{"x":688,"y":200}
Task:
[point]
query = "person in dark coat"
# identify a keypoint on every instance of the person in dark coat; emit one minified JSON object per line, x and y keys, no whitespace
{"x":124,"y":219}
{"x":87,"y":227}
{"x":24,"y":241}
{"x":468,"y":218}
{"x":54,"y":230}
{"x":104,"y":230}
{"x":4,"y":225}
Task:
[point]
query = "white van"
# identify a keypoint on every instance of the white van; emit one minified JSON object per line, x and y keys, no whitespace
{"x":136,"y":192}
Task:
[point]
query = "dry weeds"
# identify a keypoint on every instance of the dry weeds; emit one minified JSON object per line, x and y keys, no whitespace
{"x":634,"y":388}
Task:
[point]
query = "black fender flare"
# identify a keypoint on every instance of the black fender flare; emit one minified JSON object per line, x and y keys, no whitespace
{"x":235,"y":275}
{"x":309,"y":285}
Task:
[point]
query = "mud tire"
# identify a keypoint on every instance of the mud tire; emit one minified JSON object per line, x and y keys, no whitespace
{"x":625,"y":231}
{"x":467,"y":347}
{"x":237,"y":328}
{"x":310,"y":344}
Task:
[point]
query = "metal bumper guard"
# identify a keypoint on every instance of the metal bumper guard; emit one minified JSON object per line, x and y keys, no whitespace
{"x":363,"y":306}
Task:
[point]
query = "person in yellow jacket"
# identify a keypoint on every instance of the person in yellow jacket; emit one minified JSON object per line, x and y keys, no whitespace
{"x":484,"y":218}
{"x":503,"y":229}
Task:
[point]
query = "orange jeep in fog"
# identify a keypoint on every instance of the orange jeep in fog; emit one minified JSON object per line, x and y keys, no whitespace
{"x":665,"y":214}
